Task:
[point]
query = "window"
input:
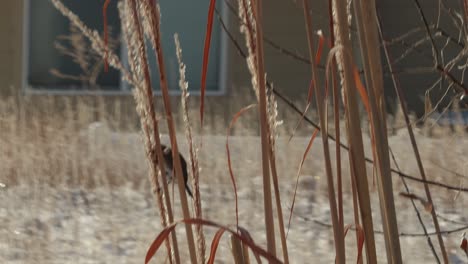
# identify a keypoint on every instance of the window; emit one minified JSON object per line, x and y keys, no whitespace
{"x":59,"y":60}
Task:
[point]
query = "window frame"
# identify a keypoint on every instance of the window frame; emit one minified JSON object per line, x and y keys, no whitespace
{"x":122,"y":89}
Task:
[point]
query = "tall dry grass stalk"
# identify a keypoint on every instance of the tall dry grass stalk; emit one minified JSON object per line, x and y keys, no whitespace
{"x":273,"y":123}
{"x":354,"y":133}
{"x":336,"y":117}
{"x":365,"y":13}
{"x":133,"y":34}
{"x":150,"y":11}
{"x":321,"y":104}
{"x":193,"y":151}
{"x":250,"y":13}
{"x":264,"y":127}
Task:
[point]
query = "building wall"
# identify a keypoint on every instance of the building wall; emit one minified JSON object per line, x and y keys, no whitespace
{"x":283,"y":23}
{"x":288,"y":75}
{"x":10,"y":45}
{"x":287,"y":31}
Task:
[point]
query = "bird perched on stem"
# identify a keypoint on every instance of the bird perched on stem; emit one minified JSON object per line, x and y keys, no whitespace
{"x":169,"y":164}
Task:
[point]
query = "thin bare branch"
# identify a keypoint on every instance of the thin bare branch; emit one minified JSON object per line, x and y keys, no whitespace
{"x":403,"y":101}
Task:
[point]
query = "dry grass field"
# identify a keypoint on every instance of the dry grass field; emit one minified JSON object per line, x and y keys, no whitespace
{"x":78,"y":192}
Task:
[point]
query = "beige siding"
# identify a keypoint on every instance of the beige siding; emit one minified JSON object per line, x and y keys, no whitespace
{"x":10,"y":44}
{"x":284,"y":24}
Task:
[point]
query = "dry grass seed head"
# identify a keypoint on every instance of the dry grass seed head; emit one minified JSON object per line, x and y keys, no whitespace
{"x":96,"y":42}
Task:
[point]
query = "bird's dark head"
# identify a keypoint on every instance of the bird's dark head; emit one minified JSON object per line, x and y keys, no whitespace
{"x":166,"y":150}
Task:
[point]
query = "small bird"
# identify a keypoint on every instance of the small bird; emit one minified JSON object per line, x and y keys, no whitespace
{"x":167,"y":154}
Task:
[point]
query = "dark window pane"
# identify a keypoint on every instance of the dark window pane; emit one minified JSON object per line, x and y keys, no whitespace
{"x":46,"y":25}
{"x":188,"y":19}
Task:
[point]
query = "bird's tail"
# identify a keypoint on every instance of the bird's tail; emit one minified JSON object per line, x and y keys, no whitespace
{"x":187,"y":188}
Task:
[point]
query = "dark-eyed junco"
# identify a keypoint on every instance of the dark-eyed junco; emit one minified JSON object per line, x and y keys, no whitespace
{"x":167,"y":153}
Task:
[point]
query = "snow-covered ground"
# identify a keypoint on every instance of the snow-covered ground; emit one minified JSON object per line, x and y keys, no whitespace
{"x":117,"y":223}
